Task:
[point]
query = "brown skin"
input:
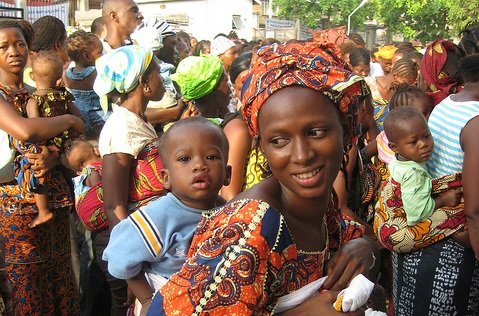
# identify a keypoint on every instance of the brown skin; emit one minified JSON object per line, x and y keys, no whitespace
{"x":470,"y":167}
{"x":121,"y":19}
{"x":116,"y":166}
{"x":294,"y":144}
{"x":240,"y":144}
{"x":35,"y":129}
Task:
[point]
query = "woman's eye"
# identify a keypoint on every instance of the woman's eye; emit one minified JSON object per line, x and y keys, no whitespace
{"x":316,"y":132}
{"x":278,"y":141}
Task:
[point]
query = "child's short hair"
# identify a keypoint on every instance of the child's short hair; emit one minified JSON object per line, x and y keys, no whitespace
{"x":47,"y":64}
{"x":397,"y":117}
{"x":403,"y":96}
{"x":70,"y":145}
{"x":79,"y":43}
{"x":469,"y":68}
{"x":182,"y":124}
{"x":359,"y":56}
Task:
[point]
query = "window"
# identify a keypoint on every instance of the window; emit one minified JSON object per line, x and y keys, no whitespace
{"x":237,"y":24}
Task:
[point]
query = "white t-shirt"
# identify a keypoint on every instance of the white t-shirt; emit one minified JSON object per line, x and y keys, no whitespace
{"x":125,"y":132}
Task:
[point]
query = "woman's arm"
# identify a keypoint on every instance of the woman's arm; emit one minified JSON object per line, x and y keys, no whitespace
{"x":35,"y":129}
{"x":116,"y":179}
{"x":160,"y":116}
{"x":240,"y":144}
{"x":470,"y":179}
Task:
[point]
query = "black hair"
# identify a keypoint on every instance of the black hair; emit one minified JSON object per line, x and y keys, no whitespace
{"x":469,"y":68}
{"x":403,"y":96}
{"x":23,"y":26}
{"x":397,"y":117}
{"x":97,"y":25}
{"x":185,"y":37}
{"x":356,"y":38}
{"x":469,"y":40}
{"x":359,"y":56}
{"x":404,"y":50}
{"x":200,"y":46}
{"x":240,"y":64}
{"x":79,"y":43}
{"x":49,"y":31}
{"x":414,"y":55}
{"x":405,"y":67}
{"x":181,"y":124}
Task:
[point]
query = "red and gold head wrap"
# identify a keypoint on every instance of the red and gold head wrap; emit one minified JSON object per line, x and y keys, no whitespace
{"x":432,"y":65}
{"x":312,"y":65}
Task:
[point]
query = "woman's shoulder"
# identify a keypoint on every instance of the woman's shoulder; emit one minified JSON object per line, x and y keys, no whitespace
{"x":267,"y":191}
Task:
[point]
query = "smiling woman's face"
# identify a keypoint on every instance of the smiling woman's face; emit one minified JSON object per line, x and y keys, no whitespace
{"x":301,"y":135}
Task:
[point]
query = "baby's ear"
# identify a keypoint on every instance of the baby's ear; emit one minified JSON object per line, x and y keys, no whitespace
{"x":228,"y":176}
{"x":165,"y":177}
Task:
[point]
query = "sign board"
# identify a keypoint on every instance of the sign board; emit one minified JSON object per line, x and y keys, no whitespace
{"x":60,"y":10}
{"x":279,"y":24}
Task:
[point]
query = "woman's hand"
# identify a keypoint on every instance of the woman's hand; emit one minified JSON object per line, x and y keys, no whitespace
{"x":77,"y":123}
{"x":43,"y":161}
{"x":190,"y":111}
{"x":321,"y":304}
{"x":356,"y":257}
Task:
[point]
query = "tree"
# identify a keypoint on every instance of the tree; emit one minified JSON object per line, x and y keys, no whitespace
{"x":462,"y":14}
{"x":311,"y":12}
{"x":422,"y":19}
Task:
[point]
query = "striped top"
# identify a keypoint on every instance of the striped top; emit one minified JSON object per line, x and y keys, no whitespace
{"x":446,"y":123}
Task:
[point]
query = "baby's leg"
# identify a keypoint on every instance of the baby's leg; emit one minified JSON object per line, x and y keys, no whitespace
{"x":44,"y":214}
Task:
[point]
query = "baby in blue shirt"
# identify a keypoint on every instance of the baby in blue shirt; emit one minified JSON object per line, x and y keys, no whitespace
{"x":155,"y":239}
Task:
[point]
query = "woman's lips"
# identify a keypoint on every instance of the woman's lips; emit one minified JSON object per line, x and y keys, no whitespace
{"x":309,"y":178}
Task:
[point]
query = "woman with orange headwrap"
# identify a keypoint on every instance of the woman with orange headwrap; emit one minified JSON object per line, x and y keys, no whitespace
{"x":286,"y":232}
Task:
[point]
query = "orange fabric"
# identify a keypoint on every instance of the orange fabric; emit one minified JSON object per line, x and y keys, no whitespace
{"x":316,"y":66}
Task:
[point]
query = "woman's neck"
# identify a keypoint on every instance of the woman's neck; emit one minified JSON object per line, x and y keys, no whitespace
{"x":470,"y":92}
{"x":135,"y":103}
{"x":13,"y":81}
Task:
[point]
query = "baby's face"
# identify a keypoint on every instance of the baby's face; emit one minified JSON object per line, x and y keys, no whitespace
{"x":81,"y":156}
{"x":414,"y":140}
{"x":196,"y":166}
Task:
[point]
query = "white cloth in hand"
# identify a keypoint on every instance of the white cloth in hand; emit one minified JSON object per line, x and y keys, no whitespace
{"x":356,"y":294}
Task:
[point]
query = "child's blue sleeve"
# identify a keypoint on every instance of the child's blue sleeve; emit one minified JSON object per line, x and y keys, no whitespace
{"x":133,"y":241}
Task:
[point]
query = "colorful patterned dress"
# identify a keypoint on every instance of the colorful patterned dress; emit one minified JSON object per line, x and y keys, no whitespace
{"x":243,"y":259}
{"x":38,"y":260}
{"x":53,"y":103}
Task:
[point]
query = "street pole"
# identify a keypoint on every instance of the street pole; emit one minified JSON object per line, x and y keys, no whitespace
{"x":354,"y":11}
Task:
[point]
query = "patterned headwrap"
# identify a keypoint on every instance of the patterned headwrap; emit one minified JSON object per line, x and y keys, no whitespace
{"x":310,"y":65}
{"x":197,"y":76}
{"x":386,"y":52}
{"x":220,"y":45}
{"x":149,"y":35}
{"x":121,"y":69}
{"x":432,"y":64}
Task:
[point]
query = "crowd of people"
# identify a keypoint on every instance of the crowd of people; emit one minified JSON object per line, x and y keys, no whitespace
{"x":147,"y":172}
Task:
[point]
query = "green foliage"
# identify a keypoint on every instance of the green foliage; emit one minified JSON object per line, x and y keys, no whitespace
{"x":415,"y":19}
{"x":310,"y":12}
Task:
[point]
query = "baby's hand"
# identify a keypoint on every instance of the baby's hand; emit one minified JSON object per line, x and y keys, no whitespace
{"x":451,"y":198}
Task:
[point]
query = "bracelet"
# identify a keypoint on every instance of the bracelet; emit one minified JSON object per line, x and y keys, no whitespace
{"x":374,"y":261}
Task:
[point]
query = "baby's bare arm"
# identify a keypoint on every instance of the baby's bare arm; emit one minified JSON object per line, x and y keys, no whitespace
{"x":93,"y":179}
{"x":32,"y":108}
